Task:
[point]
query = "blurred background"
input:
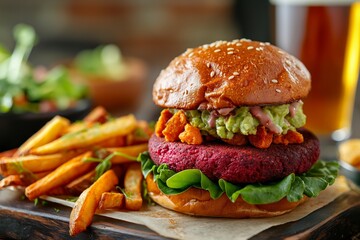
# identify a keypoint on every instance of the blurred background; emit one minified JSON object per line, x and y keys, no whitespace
{"x":153,"y":31}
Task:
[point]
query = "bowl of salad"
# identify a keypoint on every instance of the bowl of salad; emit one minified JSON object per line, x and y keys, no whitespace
{"x":31,"y":96}
{"x":114,"y":82}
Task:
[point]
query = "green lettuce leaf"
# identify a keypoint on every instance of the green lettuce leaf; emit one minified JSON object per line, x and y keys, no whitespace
{"x":297,"y":190}
{"x":293,"y":187}
{"x":265,"y":193}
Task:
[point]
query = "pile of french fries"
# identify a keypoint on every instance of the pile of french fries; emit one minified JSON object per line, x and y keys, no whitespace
{"x":94,"y":159}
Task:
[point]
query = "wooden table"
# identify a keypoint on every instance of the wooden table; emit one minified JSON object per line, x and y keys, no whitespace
{"x":21,"y":219}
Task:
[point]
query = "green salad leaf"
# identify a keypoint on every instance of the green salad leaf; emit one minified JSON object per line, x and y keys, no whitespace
{"x":104,"y":60}
{"x":293,"y":187}
{"x":21,"y":87}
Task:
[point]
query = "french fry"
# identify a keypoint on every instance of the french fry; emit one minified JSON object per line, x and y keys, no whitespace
{"x":117,"y":141}
{"x":82,"y":214}
{"x":33,"y":163}
{"x":140,"y":135}
{"x":120,"y":126}
{"x":132,"y":183}
{"x":110,"y":200}
{"x":97,"y":115}
{"x":60,"y":176}
{"x":8,"y":153}
{"x":77,"y":127}
{"x":132,"y":151}
{"x":24,"y":179}
{"x":46,"y":134}
{"x":11,"y":180}
{"x":57,"y":191}
{"x":81,"y":183}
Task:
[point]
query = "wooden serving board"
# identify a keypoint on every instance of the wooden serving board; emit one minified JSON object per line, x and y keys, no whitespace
{"x":21,"y":219}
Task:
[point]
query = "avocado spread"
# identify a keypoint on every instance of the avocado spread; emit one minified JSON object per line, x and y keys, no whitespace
{"x":244,"y":120}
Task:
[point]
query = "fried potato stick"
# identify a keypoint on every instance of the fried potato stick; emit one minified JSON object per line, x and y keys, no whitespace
{"x":49,"y":132}
{"x":97,"y":115}
{"x":11,"y":180}
{"x":111,"y":200}
{"x":120,"y":126}
{"x":21,"y":179}
{"x":33,"y":163}
{"x":132,"y":183}
{"x":77,"y":186}
{"x":60,"y":176}
{"x":8,"y":153}
{"x":126,"y":152}
{"x":82,"y":214}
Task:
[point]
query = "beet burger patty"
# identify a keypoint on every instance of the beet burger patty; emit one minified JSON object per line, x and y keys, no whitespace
{"x":245,"y":165}
{"x":230,"y":140}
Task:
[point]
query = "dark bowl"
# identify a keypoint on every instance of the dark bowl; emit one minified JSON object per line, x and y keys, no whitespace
{"x":352,"y":175}
{"x":16,"y":128}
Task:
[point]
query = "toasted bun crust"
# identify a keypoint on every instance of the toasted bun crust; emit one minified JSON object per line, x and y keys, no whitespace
{"x":199,"y":203}
{"x":230,"y":74}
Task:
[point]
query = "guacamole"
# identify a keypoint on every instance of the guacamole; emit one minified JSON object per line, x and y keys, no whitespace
{"x":242,"y":120}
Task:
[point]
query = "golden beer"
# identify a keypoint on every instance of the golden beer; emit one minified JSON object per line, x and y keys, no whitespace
{"x":325,"y":36}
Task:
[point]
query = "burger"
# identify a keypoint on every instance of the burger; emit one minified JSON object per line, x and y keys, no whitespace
{"x":230,"y":140}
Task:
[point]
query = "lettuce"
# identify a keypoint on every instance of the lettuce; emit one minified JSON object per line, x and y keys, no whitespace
{"x":293,"y":187}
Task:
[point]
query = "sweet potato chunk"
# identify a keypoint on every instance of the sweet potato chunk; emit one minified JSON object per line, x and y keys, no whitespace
{"x":262,"y":139}
{"x":191,"y":135}
{"x":238,"y":140}
{"x":289,"y":137}
{"x":165,"y":115}
{"x":175,"y":126}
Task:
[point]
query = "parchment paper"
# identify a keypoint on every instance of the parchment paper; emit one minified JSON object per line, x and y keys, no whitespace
{"x":179,"y":226}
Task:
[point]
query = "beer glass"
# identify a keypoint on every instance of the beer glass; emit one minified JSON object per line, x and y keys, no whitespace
{"x":325,"y":36}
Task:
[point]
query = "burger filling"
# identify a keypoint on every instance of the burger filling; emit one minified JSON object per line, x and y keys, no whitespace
{"x":257,"y":125}
{"x":293,"y":187}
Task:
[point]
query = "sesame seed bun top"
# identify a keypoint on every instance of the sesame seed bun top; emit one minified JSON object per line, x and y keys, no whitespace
{"x":230,"y":74}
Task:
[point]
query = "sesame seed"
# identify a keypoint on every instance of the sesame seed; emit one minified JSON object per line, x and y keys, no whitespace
{"x":274,"y":81}
{"x":238,"y":44}
{"x":281,"y":52}
{"x":230,"y":49}
{"x":231,"y":77}
{"x":245,"y":40}
{"x":212,"y":74}
{"x":278,"y":90}
{"x":250,"y":47}
{"x":177,"y":63}
{"x":228,"y":44}
{"x":208,"y":65}
{"x":262,"y":44}
{"x":217,"y":50}
{"x":206,"y":46}
{"x":231,"y":52}
{"x":267,"y":43}
{"x":236,"y":73}
{"x":191,"y":54}
{"x":258,"y":49}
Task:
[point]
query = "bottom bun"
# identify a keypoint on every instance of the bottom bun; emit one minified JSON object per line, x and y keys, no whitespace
{"x":198,"y":202}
